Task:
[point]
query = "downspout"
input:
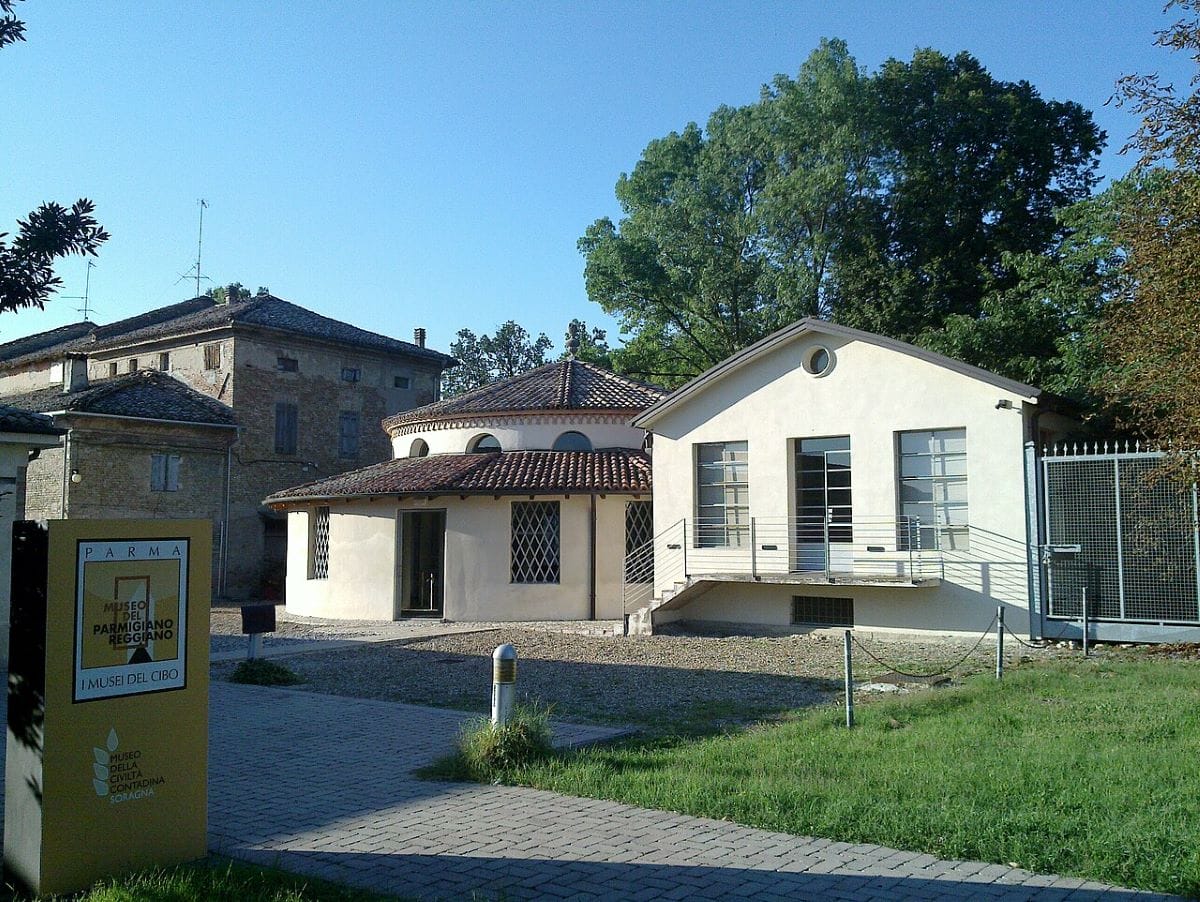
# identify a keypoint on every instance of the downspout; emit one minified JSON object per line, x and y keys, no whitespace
{"x":592,"y":556}
{"x":221,"y":577}
{"x":66,"y":477}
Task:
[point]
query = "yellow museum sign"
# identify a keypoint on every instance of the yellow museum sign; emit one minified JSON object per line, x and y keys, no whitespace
{"x":117,"y":778}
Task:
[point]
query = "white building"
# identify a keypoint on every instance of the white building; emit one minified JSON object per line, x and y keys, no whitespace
{"x":515,"y":501}
{"x":830,"y":477}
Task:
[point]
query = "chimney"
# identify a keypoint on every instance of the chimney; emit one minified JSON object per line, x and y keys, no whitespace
{"x":419,"y":337}
{"x":75,"y":376}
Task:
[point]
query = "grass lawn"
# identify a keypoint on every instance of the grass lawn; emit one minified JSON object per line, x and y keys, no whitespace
{"x":220,"y":880}
{"x":1085,"y":768}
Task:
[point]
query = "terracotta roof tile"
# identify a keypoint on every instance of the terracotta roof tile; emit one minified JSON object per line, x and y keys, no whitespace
{"x":494,"y":473}
{"x":14,"y":420}
{"x":147,"y":394}
{"x":563,"y":385}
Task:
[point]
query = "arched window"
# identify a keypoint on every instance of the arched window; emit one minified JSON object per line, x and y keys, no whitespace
{"x":419,"y":448}
{"x":572,"y":441}
{"x":483,"y":442}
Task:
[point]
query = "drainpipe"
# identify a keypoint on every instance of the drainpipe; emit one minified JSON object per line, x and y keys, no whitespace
{"x":221,"y":577}
{"x":66,"y":477}
{"x":592,"y":557}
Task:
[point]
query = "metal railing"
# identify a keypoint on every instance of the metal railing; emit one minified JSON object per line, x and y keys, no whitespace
{"x":892,"y":549}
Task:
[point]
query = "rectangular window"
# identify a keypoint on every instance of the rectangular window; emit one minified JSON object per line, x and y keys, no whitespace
{"x":112,"y":369}
{"x":164,"y":472}
{"x":318,"y":543}
{"x":287,"y":364}
{"x":348,"y":434}
{"x":400,"y":382}
{"x":722,"y":495}
{"x":351,"y":374}
{"x":286,"y":416}
{"x":933,"y":489}
{"x":133,"y":364}
{"x":212,"y":357}
{"x":821,"y":610}
{"x":535,"y":542}
{"x":164,"y":361}
{"x":639,"y":532}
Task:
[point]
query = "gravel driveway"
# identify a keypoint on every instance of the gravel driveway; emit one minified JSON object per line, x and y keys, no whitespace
{"x":668,"y":683}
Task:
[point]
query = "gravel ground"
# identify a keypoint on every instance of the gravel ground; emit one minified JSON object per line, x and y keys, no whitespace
{"x":661,"y":683}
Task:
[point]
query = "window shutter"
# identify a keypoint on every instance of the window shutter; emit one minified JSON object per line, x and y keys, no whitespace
{"x":158,"y":472}
{"x":172,"y":474}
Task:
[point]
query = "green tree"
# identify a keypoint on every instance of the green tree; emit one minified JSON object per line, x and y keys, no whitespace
{"x":486,"y":358}
{"x":889,"y":202}
{"x":51,"y":231}
{"x":1152,"y":334}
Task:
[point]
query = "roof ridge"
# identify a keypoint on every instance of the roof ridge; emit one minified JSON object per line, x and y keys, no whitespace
{"x":568,"y":372}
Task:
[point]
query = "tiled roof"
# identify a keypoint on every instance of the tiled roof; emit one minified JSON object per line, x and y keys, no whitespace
{"x":563,"y":385}
{"x":494,"y":473}
{"x":147,"y":395}
{"x":14,"y":420}
{"x":202,"y":314}
{"x":55,"y":341}
{"x":266,"y":311}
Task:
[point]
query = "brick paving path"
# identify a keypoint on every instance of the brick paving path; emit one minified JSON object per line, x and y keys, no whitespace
{"x":322,"y":785}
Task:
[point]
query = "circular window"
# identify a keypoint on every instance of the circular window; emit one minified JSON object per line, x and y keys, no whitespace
{"x":572,"y":441}
{"x":420,"y":448}
{"x":484,"y":442}
{"x":818,"y":361}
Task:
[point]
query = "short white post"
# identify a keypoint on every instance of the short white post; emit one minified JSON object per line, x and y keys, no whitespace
{"x":1000,"y":642}
{"x":255,"y":649}
{"x":504,"y":683}
{"x":849,"y":676}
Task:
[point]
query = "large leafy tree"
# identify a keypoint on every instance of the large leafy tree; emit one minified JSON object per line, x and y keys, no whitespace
{"x":51,"y":231}
{"x":486,"y":358}
{"x":1153,"y":333}
{"x":890,"y":202}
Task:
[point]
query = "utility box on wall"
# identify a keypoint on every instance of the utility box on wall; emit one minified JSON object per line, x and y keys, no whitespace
{"x":107,"y":746}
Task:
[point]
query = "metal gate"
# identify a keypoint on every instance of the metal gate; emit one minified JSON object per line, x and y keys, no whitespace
{"x":1128,"y":541}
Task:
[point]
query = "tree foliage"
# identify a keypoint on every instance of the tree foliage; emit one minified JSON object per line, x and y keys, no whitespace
{"x":486,"y":358}
{"x":1152,"y":334}
{"x":890,"y":202}
{"x":51,"y":231}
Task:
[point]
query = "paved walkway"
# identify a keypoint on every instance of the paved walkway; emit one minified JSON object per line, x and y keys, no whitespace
{"x":323,"y":786}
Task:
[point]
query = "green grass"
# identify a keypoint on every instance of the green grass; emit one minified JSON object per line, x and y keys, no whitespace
{"x":261,"y":672}
{"x":1087,"y":768}
{"x":220,"y":880}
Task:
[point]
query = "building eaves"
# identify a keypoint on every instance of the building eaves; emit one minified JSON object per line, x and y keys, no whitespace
{"x":618,"y":471}
{"x":54,"y":342}
{"x":13,"y":419}
{"x":776,"y":339}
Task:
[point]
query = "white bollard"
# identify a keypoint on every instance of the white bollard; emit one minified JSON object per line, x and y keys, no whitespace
{"x":504,"y":683}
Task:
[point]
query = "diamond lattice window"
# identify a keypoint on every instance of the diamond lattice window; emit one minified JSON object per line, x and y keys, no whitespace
{"x":639,"y":531}
{"x":535,"y":542}
{"x":320,"y":544}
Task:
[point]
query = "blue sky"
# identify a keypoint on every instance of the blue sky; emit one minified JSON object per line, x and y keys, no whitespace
{"x":402,"y":164}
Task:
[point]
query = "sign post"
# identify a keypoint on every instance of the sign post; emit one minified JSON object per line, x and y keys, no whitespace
{"x":107,"y":745}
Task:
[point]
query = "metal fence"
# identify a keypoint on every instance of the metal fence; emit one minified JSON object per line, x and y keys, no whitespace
{"x":1121,"y":535}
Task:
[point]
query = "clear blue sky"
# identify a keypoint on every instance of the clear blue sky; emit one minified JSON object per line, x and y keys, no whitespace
{"x":401,"y":164}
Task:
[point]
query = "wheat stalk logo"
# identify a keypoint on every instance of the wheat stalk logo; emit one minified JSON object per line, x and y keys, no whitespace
{"x":100,"y":765}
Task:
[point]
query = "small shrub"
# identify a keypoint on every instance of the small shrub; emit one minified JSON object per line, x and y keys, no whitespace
{"x":488,"y":751}
{"x":261,"y":672}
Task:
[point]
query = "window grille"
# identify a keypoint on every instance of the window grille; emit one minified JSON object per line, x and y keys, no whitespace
{"x":822,"y":610}
{"x":535,"y":542}
{"x":164,"y":472}
{"x":348,"y":434}
{"x":351,"y":374}
{"x":639,"y":531}
{"x":933,"y":488}
{"x":212,"y":357}
{"x":723,"y":495}
{"x":319,"y":568}
{"x":286,"y":416}
{"x":287,"y":364}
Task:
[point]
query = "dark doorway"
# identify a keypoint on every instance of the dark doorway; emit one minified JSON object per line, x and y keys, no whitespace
{"x":422,"y":545}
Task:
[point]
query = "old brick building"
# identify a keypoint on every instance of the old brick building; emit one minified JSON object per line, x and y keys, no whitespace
{"x":306,"y":394}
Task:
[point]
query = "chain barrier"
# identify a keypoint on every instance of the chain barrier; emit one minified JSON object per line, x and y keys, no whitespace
{"x":922,"y":676}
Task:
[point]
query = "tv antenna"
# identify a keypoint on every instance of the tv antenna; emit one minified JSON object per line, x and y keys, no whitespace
{"x":87,"y":290}
{"x":199,"y":248}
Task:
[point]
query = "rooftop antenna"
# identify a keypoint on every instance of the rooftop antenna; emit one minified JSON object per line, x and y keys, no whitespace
{"x":87,"y":289}
{"x":199,"y":248}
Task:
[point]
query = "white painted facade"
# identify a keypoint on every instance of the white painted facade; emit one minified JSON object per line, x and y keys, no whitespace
{"x":872,"y":391}
{"x":515,"y":433}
